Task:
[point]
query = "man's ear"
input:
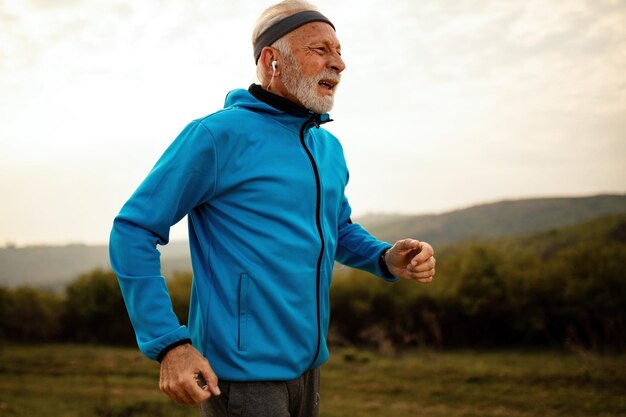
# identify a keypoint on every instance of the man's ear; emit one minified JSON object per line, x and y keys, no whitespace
{"x":268,"y":56}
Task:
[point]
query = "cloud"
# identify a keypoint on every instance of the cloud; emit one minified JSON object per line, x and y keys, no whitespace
{"x":49,"y":5}
{"x":483,"y":98}
{"x":538,"y":21}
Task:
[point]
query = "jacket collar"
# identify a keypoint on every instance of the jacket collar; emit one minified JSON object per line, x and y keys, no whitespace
{"x":276,"y":101}
{"x":286,"y":105}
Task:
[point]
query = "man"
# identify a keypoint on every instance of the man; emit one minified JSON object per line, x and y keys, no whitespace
{"x":263,"y":187}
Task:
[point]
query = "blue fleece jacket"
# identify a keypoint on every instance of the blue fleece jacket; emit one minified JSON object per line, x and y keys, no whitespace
{"x":264,"y":193}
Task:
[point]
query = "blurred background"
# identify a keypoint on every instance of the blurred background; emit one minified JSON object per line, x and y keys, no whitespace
{"x":494,"y":130}
{"x":443,"y":104}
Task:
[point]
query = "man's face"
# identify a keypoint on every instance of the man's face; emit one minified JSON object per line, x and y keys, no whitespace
{"x":311,"y":72}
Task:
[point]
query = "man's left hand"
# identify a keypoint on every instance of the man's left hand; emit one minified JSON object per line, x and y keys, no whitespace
{"x":412,"y":260}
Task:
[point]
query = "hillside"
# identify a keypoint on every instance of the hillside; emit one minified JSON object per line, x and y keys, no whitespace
{"x":487,"y":221}
{"x":597,"y":231}
{"x":53,"y":266}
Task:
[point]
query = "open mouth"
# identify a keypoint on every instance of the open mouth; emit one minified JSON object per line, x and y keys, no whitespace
{"x":328,"y":84}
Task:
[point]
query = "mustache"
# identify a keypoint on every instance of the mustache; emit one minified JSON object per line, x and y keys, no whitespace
{"x":329,"y":75}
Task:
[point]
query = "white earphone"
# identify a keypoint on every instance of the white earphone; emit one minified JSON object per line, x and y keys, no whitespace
{"x":274,"y":66}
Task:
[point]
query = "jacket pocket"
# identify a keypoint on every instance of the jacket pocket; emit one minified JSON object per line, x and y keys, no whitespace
{"x":244,"y":313}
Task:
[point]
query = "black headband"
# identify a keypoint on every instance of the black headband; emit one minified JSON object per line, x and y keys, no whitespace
{"x":283,"y":27}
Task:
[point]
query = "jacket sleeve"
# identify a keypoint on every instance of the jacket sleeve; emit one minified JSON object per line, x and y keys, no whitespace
{"x":357,"y":248}
{"x":183,"y":178}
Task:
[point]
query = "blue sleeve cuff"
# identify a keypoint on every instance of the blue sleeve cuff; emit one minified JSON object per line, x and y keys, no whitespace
{"x":383,"y":265}
{"x":161,"y":355}
{"x":153,"y":348}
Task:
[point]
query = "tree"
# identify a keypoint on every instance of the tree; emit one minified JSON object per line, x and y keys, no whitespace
{"x":95,"y":310}
{"x":29,"y":315}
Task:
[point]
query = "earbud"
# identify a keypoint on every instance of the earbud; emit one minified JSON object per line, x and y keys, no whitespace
{"x":274,"y":66}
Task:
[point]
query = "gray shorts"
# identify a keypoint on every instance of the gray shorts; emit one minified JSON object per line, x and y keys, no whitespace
{"x":296,"y":398}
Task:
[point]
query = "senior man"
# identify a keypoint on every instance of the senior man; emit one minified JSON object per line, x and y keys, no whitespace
{"x":262,"y":184}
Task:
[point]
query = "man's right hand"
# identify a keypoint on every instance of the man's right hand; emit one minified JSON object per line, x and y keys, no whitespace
{"x":179,"y":379}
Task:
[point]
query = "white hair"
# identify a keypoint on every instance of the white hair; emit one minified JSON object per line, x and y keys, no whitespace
{"x":271,"y":16}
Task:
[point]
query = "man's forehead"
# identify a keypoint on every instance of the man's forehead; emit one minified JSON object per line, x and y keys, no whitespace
{"x":315,"y":32}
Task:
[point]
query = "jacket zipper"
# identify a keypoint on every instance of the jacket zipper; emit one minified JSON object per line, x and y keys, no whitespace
{"x":318,"y":221}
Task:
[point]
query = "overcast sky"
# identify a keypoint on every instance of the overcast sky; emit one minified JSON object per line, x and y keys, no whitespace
{"x":444,"y":104}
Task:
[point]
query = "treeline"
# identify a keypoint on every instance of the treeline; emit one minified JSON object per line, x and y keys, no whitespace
{"x":560,"y":287}
{"x":90,"y":310}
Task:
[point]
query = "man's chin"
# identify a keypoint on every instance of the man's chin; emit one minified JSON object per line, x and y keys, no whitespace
{"x":320,"y":109}
{"x":323,"y":105}
{"x":317,"y":102}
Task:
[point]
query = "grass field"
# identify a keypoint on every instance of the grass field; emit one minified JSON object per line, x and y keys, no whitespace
{"x":79,"y":380}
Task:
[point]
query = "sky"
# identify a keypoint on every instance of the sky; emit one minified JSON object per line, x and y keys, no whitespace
{"x":443,"y":104}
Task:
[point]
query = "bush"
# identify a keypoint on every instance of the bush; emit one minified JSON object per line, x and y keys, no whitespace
{"x":95,"y":310}
{"x":29,"y":315}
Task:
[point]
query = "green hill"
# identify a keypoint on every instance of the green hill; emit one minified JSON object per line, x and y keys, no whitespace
{"x":54,"y":266}
{"x":561,"y":287}
{"x":495,"y":220}
{"x":51,"y":267}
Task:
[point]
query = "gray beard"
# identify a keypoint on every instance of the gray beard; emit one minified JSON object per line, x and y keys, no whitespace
{"x":305,"y":88}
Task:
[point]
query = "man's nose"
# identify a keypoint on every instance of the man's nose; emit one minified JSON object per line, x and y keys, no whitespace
{"x":337,"y":64}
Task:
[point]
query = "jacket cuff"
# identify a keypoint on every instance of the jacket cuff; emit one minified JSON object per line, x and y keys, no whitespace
{"x":167,"y":348}
{"x":383,"y":265}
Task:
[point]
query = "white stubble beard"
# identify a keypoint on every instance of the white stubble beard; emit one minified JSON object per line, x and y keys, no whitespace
{"x":304,"y":88}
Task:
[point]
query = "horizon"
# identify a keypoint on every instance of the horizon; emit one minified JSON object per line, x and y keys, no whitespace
{"x":179,"y":234}
{"x":452,"y":105}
